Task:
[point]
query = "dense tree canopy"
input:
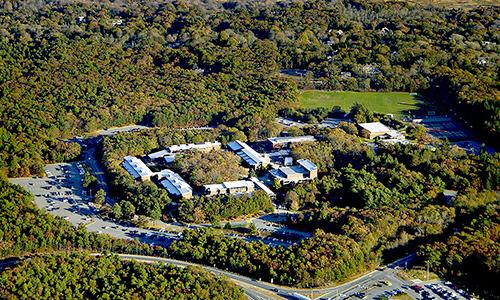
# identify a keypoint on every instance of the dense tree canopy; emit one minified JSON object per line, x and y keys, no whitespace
{"x":81,"y":276}
{"x":213,"y":167}
{"x":69,"y":67}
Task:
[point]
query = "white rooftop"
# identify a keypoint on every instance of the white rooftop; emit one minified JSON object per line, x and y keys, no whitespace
{"x":374,"y":127}
{"x":136,"y":167}
{"x":291,"y":139}
{"x":249,"y":155}
{"x":158,"y":154}
{"x":307,"y":164}
{"x":174,"y":183}
{"x":185,"y":147}
{"x":230,"y":185}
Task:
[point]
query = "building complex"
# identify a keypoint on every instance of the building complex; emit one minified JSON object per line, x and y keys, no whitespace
{"x":169,"y":152}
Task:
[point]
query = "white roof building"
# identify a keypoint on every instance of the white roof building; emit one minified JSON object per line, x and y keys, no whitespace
{"x":136,"y":168}
{"x":307,"y":164}
{"x":174,"y":184}
{"x":202,"y":146}
{"x":374,"y":129}
{"x":250,"y":156}
{"x":305,"y":170}
{"x":158,"y":154}
{"x":285,"y":141}
{"x":230,"y":187}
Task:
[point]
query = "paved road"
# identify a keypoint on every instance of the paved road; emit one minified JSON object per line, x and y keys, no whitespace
{"x":342,"y":291}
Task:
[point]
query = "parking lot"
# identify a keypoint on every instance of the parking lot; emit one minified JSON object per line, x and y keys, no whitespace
{"x":61,"y":193}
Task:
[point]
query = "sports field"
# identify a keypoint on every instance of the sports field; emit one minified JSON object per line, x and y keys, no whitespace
{"x":397,"y":103}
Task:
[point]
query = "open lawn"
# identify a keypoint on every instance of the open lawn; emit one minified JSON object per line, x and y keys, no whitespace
{"x":397,"y":103}
{"x":418,"y":273}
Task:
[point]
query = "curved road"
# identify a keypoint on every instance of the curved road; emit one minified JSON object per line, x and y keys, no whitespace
{"x":264,"y":290}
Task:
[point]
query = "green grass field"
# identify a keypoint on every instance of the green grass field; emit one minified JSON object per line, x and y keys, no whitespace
{"x":396,"y":103}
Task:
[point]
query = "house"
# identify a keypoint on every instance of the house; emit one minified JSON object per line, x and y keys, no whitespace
{"x":174,"y":184}
{"x":373,"y":130}
{"x":229,"y":188}
{"x":250,"y":156}
{"x":136,"y":168}
{"x":304,"y":170}
{"x":280,"y":142}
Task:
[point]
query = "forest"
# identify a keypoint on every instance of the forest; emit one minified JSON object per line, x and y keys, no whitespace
{"x":80,"y":276}
{"x":73,"y":67}
{"x":223,"y":207}
{"x":213,"y":167}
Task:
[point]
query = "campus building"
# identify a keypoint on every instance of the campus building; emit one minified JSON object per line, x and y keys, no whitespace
{"x":229,"y":188}
{"x":207,"y":146}
{"x":174,"y":184}
{"x":373,"y":130}
{"x":304,"y":170}
{"x":281,"y":142}
{"x":259,"y":184}
{"x":136,"y":168}
{"x":250,"y":156}
{"x":171,"y":150}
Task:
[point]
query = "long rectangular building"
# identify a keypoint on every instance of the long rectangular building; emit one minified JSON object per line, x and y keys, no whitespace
{"x":250,"y":156}
{"x":136,"y":168}
{"x":278,"y":142}
{"x":174,"y":184}
{"x":230,"y":187}
{"x":207,"y":146}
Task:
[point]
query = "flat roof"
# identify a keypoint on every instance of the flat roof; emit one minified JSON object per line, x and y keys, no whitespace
{"x":230,"y":185}
{"x":291,"y":139}
{"x":158,"y":154}
{"x":238,"y":184}
{"x":374,"y":127}
{"x":185,"y":147}
{"x":307,"y":164}
{"x":287,"y":170}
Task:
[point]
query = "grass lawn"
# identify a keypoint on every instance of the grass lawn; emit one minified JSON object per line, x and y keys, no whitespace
{"x":397,"y":103}
{"x":417,"y":273}
{"x":402,"y":296}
